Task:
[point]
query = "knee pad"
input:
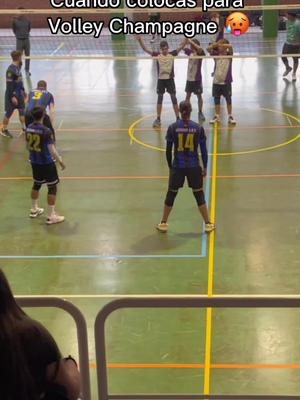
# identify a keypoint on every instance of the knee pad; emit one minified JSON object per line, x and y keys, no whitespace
{"x":160,"y":98}
{"x":36,"y":186}
{"x":199,"y":196}
{"x":52,"y":190}
{"x":217,"y":100}
{"x":173,"y":98}
{"x":170,"y":198}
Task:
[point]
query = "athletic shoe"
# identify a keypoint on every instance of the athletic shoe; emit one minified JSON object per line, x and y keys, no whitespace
{"x":162,"y":227}
{"x":201,"y":117}
{"x":294,"y":78}
{"x":287,"y":71}
{"x":55,"y":219}
{"x":156,"y":123}
{"x":28,"y":73}
{"x":6,"y":133}
{"x":215,"y":119}
{"x":36,"y":212}
{"x":231,"y":120}
{"x":209,"y":227}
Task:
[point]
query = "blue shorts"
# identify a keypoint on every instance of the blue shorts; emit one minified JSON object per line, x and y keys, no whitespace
{"x":10,"y":107}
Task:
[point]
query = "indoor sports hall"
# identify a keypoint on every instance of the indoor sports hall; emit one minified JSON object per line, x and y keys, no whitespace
{"x":162,"y":342}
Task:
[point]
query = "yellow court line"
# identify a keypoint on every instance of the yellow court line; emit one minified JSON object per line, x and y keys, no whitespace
{"x":208,"y":335}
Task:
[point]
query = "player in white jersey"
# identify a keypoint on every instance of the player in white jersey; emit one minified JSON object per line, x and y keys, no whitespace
{"x":222,"y":78}
{"x":165,"y":71}
{"x":194,"y":75}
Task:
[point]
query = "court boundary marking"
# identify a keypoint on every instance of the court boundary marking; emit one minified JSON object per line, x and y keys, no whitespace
{"x":133,"y":138}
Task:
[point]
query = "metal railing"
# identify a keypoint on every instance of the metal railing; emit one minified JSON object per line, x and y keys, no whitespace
{"x":81,"y":333}
{"x":180,"y":302}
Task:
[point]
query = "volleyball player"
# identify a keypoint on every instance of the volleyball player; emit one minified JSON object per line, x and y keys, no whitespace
{"x":186,"y":137}
{"x":165,"y":67}
{"x":42,"y":152}
{"x":222,"y":82}
{"x":194,"y":76}
{"x":40,"y":97}
{"x":14,"y":94}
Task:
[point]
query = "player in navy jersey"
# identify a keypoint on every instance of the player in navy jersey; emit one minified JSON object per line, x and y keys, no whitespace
{"x":186,"y":136}
{"x":194,"y":75}
{"x":14,"y":94}
{"x":40,"y":97}
{"x":165,"y":69}
{"x":42,"y":153}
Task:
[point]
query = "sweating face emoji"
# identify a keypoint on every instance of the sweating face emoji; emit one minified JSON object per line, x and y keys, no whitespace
{"x":237,"y":24}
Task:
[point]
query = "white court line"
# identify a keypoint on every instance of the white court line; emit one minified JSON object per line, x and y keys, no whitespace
{"x":290,"y":122}
{"x":57,"y":49}
{"x":60,"y":124}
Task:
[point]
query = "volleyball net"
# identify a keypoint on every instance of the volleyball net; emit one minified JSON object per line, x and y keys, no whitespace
{"x":100,"y":43}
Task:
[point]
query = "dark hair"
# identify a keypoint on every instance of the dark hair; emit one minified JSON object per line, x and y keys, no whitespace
{"x":15,"y":55}
{"x":16,"y":381}
{"x":163,"y":43}
{"x":292,"y":14}
{"x":42,"y":84}
{"x":37,"y":113}
{"x":185,"y":109}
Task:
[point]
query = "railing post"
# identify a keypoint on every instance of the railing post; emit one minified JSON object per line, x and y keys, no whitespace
{"x":81,"y":327}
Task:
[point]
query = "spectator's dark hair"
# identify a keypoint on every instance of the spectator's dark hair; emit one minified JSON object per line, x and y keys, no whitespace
{"x":15,"y":55}
{"x":163,"y":43}
{"x":42,"y":85}
{"x":16,"y":382}
{"x":37,"y":113}
{"x":185,"y":109}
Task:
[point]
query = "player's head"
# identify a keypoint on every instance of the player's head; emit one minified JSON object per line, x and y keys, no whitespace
{"x":42,"y":85}
{"x":164,"y":47}
{"x":185,"y":109}
{"x":37,"y":113}
{"x":291,"y":15}
{"x":16,"y":56}
{"x":222,"y":49}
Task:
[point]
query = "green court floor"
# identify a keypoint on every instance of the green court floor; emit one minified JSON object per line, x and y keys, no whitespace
{"x":112,"y":194}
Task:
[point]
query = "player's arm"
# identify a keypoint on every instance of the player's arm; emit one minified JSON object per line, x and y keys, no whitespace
{"x":55,"y":155}
{"x":143,"y":46}
{"x":203,"y":149}
{"x":169,"y":148}
{"x":52,"y":109}
{"x":213,"y":48}
{"x":11,"y":87}
{"x":182,"y":45}
{"x":14,"y":26}
{"x":198,"y":49}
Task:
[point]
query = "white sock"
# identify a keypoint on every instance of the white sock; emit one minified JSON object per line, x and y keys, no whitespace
{"x":50,"y":211}
{"x":34,"y":204}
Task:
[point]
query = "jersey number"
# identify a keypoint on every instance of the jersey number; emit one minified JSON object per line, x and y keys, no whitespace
{"x":34,"y":142}
{"x":188,"y":144}
{"x":37,"y":95}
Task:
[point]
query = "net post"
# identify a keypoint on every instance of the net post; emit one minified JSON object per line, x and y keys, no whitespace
{"x":120,"y":36}
{"x":270,"y":19}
